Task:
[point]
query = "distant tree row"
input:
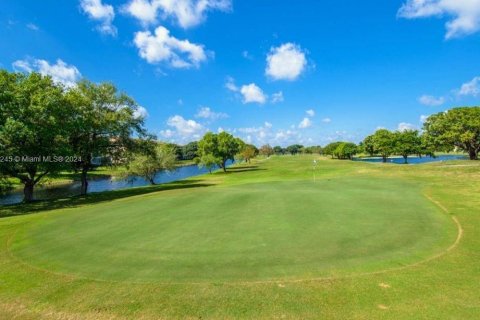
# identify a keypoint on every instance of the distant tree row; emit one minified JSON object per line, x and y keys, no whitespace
{"x":455,"y":129}
{"x":341,"y":150}
{"x":267,"y":150}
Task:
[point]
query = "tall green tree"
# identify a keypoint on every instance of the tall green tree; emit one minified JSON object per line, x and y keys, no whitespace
{"x":148,"y":164}
{"x":228,"y":147}
{"x":208,"y":155}
{"x":458,"y":127}
{"x":104,"y":123}
{"x":219,"y":148}
{"x":33,"y":127}
{"x":383,"y":143}
{"x":368,"y":145}
{"x":330,"y":148}
{"x":346,"y":150}
{"x":407,"y":142}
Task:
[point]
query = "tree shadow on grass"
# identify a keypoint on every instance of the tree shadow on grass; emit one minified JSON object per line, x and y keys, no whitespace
{"x":93,"y":198}
{"x":244,"y":169}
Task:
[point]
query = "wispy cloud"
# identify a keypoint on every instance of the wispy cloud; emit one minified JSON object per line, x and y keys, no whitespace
{"x":464,"y":15}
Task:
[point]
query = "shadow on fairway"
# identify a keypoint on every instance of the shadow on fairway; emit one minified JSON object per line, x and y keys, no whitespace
{"x":75,"y":201}
{"x":244,"y":169}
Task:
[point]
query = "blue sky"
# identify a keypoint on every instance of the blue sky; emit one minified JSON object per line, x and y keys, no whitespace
{"x":268,"y":71}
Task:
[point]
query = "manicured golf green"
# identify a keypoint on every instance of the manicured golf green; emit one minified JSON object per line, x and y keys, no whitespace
{"x":264,"y":241}
{"x":262,"y":231}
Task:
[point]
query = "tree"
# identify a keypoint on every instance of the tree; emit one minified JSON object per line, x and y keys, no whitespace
{"x":148,"y":164}
{"x":294,"y":149}
{"x":190,"y":151}
{"x":407,"y":142}
{"x":266,"y":150}
{"x":208,"y":161}
{"x":103,"y":123}
{"x":177,"y":150}
{"x":248,"y":152}
{"x":219,"y":148}
{"x":368,"y":145}
{"x":346,"y":150}
{"x":33,"y":128}
{"x":330,"y":148}
{"x":228,"y":147}
{"x":458,"y":127}
{"x":313,"y":149}
{"x":383,"y":143}
{"x":427,"y":146}
{"x":278,"y":150}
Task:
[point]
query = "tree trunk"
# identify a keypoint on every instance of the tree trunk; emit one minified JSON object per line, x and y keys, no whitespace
{"x":406,"y":159}
{"x":28,"y":191}
{"x":384,"y":158}
{"x":473,"y":154}
{"x":83,"y":177}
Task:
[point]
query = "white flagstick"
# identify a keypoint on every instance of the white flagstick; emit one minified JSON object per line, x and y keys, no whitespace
{"x":314,"y":167}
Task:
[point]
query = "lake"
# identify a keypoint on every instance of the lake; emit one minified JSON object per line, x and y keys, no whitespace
{"x":102,"y":184}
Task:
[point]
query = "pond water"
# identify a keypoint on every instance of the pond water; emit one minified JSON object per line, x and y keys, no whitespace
{"x":102,"y":184}
{"x":415,"y":160}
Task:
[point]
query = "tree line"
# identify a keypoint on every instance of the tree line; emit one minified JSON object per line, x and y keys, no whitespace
{"x":46,"y":128}
{"x":457,"y":129}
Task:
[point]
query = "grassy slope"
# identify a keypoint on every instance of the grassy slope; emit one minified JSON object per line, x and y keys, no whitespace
{"x":446,"y":287}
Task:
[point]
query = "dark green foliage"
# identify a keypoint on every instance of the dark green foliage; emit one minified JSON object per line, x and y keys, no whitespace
{"x":407,"y":142}
{"x":294,"y":149}
{"x":455,"y":128}
{"x":346,"y":150}
{"x":189,"y":151}
{"x":330,"y":148}
{"x":34,"y":127}
{"x":278,"y":150}
{"x":218,"y":149}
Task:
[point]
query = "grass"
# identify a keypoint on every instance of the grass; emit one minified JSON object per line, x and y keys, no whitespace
{"x":263,"y":241}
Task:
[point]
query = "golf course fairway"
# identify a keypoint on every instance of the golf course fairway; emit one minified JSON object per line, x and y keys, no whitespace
{"x":266,"y":240}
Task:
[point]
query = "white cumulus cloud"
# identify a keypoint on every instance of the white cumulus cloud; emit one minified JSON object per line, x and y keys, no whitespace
{"x":463,"y":15}
{"x":305,"y":123}
{"x":253,"y":94}
{"x":326,"y":120}
{"x":310,"y":113}
{"x":162,"y":47}
{"x":431,"y":100}
{"x":286,"y":62}
{"x":60,"y":72}
{"x":187,"y":13}
{"x":102,"y":13}
{"x":183,"y":130}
